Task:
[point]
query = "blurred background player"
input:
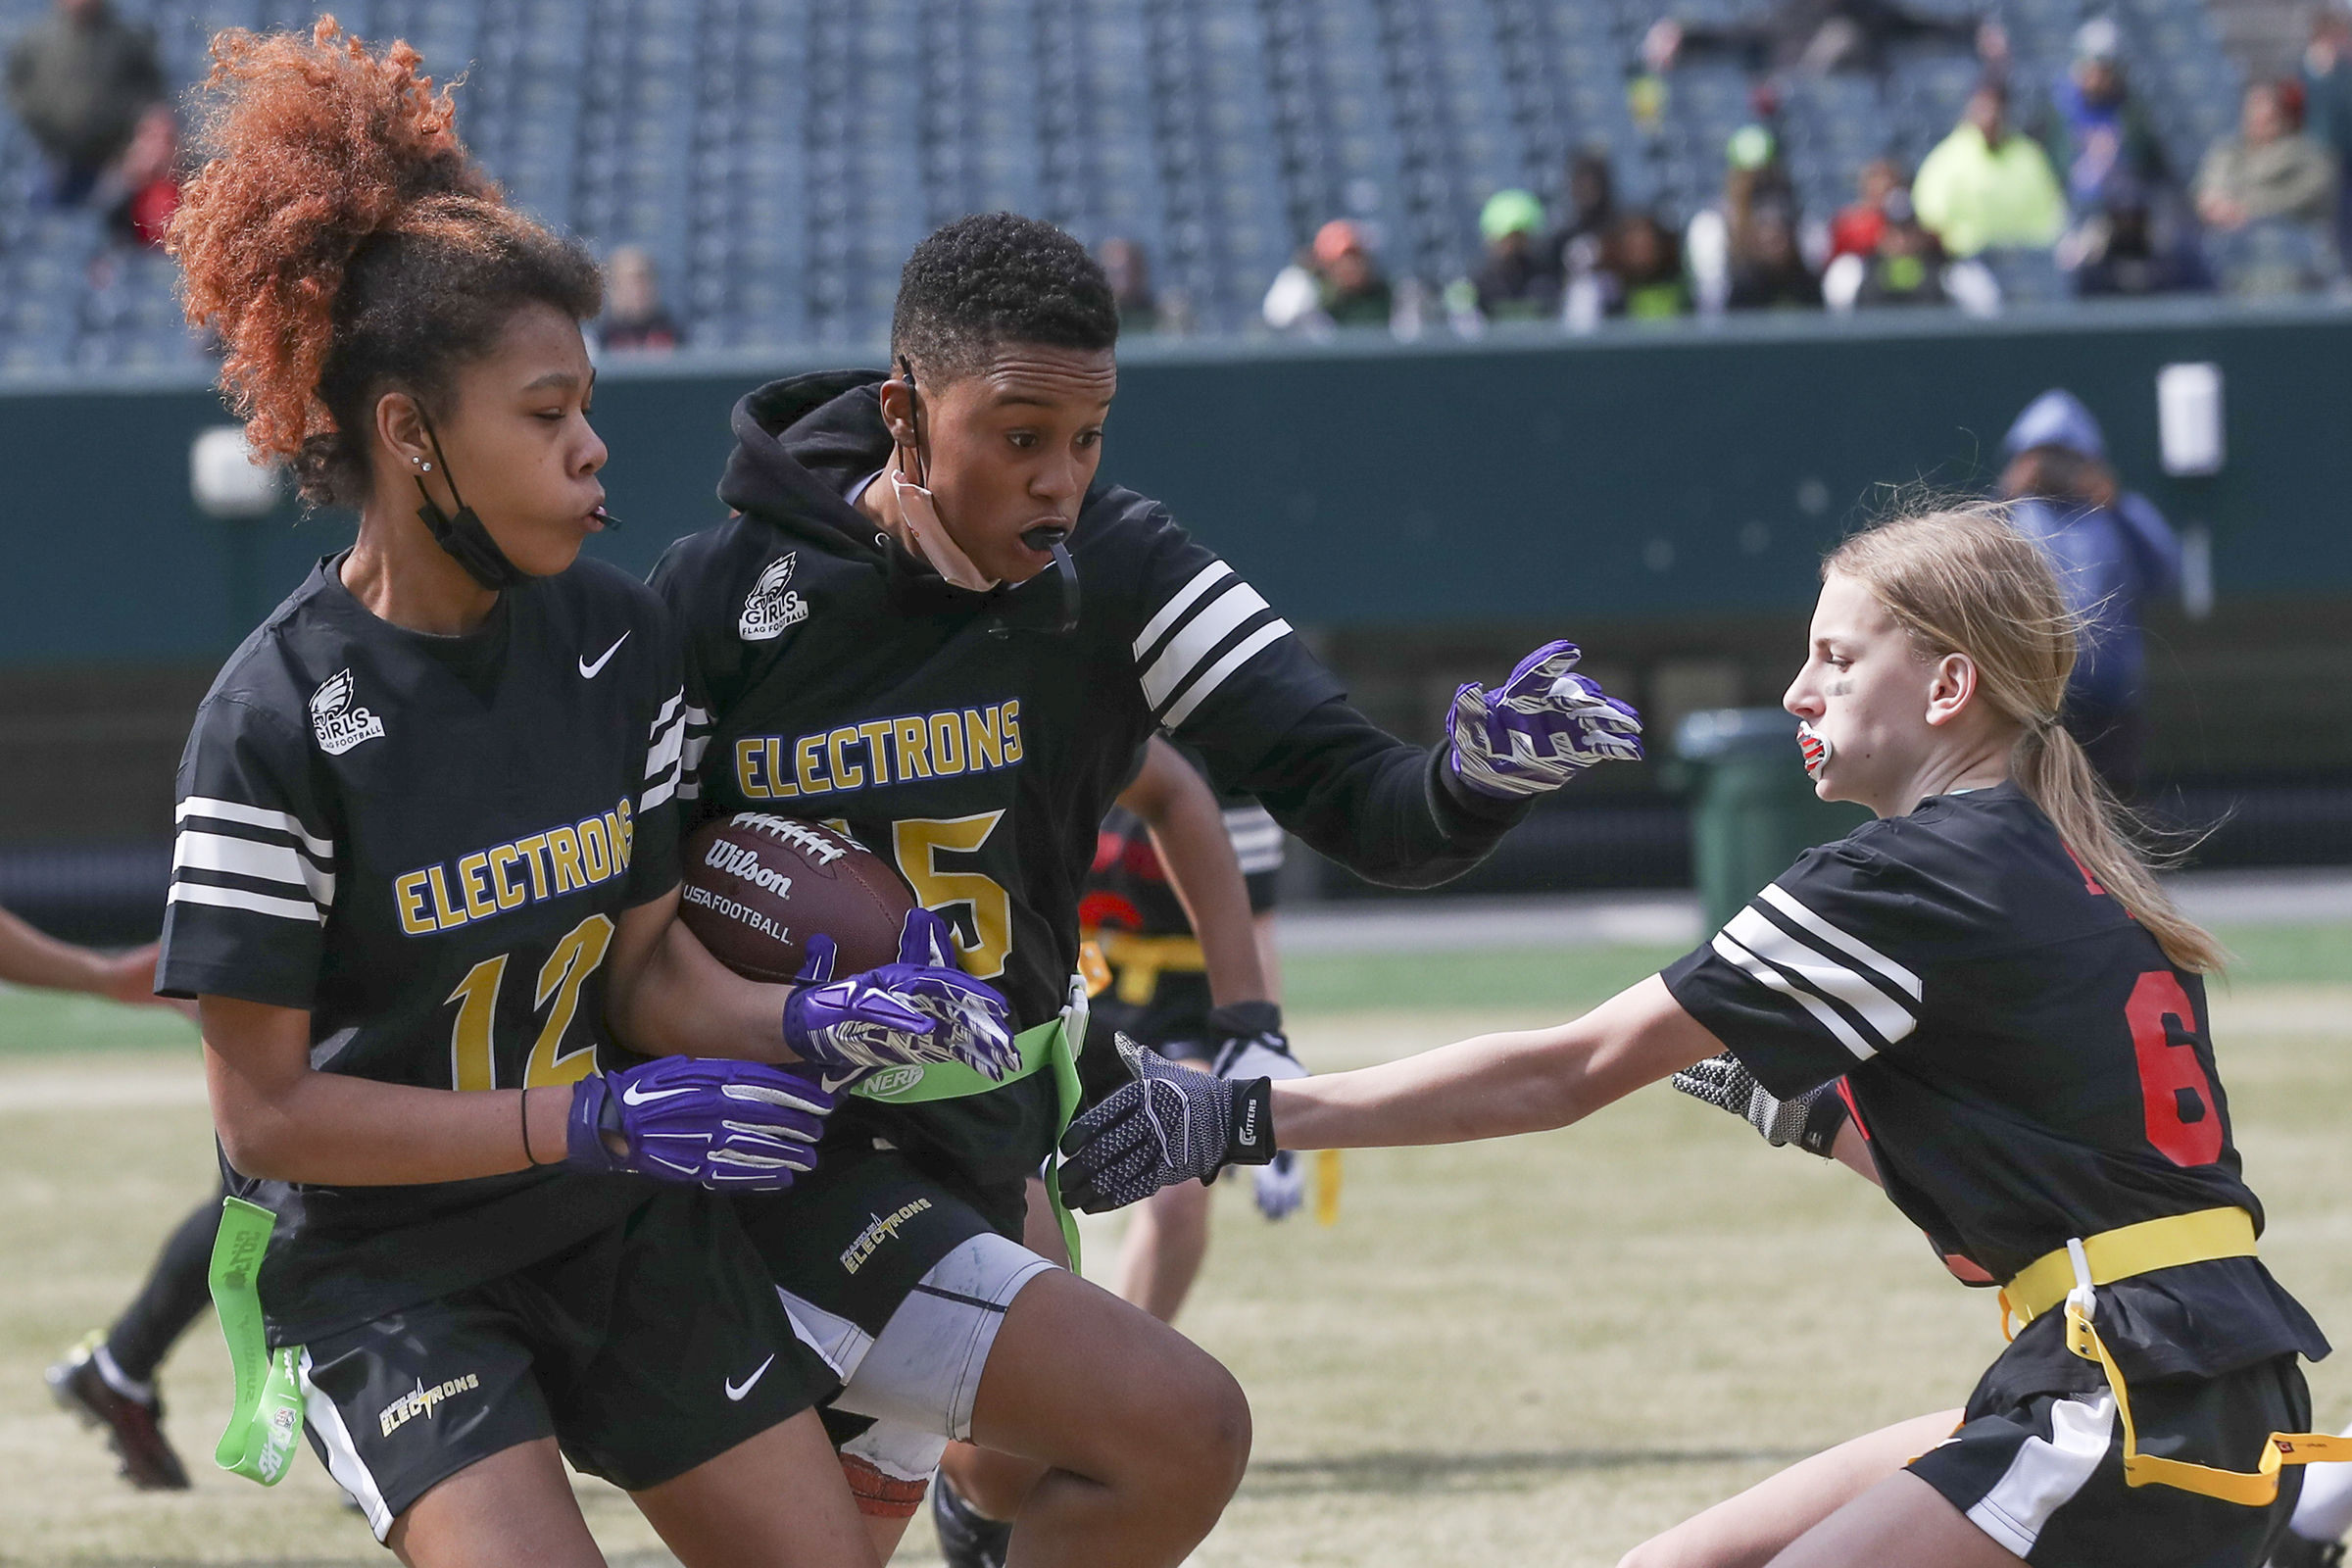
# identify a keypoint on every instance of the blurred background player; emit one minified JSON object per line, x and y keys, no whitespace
{"x":1188,"y":981}
{"x":109,"y":1378}
{"x":2113,"y":553}
{"x":1169,"y":862}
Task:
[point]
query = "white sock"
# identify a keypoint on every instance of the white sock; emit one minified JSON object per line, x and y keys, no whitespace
{"x":119,"y":1381}
{"x":2326,"y":1509}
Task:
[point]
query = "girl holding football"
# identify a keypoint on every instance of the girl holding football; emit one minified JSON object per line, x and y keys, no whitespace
{"x":426,"y":869}
{"x":2018,"y":1016}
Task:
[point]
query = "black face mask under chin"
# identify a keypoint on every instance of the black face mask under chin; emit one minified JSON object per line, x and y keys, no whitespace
{"x":462,"y":536}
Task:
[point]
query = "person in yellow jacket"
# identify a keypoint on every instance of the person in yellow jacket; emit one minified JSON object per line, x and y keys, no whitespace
{"x":1989,"y":187}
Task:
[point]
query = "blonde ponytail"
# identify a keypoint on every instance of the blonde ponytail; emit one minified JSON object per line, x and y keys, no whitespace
{"x":1963,"y":580}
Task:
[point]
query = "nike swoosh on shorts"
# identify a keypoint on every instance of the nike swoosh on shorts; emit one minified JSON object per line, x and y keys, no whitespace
{"x":736,"y":1390}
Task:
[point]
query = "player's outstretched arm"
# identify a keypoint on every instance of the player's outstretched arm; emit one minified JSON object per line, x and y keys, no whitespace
{"x":1493,"y":1086}
{"x":1172,"y":1124}
{"x":709,"y":1123}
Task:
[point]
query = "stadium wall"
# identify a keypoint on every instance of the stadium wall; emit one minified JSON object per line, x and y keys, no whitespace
{"x":1427,"y":508}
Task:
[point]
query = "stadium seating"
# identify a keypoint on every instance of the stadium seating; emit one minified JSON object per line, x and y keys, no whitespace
{"x":780,"y":157}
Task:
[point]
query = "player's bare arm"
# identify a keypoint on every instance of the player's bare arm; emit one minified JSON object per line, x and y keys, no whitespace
{"x":282,"y":1120}
{"x":1493,"y":1086}
{"x":29,"y":957}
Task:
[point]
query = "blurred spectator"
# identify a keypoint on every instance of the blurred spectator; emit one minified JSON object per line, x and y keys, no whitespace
{"x":141,"y":192}
{"x":636,"y":322}
{"x":1717,"y":236}
{"x":1909,"y":267}
{"x":80,"y":80}
{"x":1129,"y":273}
{"x":2328,"y":105}
{"x":1986,"y":185}
{"x":2268,"y":170}
{"x":1770,"y":273}
{"x":2131,"y":247}
{"x":1819,"y":35}
{"x":1517,"y":282}
{"x":1591,"y":204}
{"x":1644,"y":270}
{"x":1336,"y":283}
{"x":2114,"y":553}
{"x":1856,"y":228}
{"x":2099,"y":135}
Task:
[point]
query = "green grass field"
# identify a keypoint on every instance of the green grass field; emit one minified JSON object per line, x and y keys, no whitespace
{"x":1536,"y":1351}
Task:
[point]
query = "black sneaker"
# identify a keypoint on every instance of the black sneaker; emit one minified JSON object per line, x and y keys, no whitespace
{"x":2296,"y":1553}
{"x":133,"y":1427}
{"x":965,"y":1540}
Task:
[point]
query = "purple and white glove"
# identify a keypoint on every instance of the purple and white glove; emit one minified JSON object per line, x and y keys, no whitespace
{"x":921,"y":1010}
{"x":1540,"y":728}
{"x":735,"y":1126}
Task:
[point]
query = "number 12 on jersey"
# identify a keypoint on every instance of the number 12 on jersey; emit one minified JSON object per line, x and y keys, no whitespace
{"x":473,"y":1052}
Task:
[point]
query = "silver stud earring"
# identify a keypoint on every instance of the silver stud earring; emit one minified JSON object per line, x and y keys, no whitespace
{"x":424,"y":465}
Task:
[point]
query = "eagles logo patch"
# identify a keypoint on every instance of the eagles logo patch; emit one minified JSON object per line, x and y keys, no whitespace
{"x":769,"y":610}
{"x":338,"y":724}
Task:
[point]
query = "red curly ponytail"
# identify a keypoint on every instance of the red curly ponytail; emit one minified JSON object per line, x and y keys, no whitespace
{"x":342,"y":243}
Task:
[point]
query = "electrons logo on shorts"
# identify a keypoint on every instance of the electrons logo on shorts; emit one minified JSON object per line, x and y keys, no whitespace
{"x":424,"y":1401}
{"x":768,"y":610}
{"x":883,"y":1228}
{"x":337,"y":722}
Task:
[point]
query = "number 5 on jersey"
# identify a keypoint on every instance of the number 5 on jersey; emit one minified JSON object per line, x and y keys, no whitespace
{"x":918,"y":844}
{"x":472,"y":1053}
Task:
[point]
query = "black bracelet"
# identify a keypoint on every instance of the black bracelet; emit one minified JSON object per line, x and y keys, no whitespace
{"x":528,"y":1159}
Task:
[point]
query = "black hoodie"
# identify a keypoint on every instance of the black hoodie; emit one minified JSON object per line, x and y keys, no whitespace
{"x":832,"y":675}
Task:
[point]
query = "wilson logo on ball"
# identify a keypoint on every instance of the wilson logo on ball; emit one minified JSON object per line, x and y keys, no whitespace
{"x":741,"y":865}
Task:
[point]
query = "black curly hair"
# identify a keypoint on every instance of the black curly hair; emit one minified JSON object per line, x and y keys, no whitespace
{"x":994,"y":278}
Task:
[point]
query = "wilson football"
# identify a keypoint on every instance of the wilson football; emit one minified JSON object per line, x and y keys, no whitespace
{"x":758,"y":885}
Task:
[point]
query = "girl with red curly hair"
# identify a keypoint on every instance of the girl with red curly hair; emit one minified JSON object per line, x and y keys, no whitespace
{"x":427,"y":871}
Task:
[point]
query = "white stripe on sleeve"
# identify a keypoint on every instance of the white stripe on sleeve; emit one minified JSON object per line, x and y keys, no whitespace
{"x":670,"y":710}
{"x":1248,"y":649}
{"x":1256,"y":838}
{"x":281,"y":863}
{"x":254,"y":816}
{"x":669,"y":746}
{"x":1206,"y":578}
{"x":660,"y":794}
{"x":1733,"y":953}
{"x":238,"y":899}
{"x":1852,"y":947}
{"x":1887,"y":1018}
{"x":1237,"y":602}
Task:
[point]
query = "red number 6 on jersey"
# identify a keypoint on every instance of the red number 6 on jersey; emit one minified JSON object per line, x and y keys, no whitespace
{"x":2183,"y":1122}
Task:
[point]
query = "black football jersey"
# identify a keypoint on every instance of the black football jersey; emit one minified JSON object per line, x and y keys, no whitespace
{"x":2028,"y":1064}
{"x":427,"y":843}
{"x":967,"y":739}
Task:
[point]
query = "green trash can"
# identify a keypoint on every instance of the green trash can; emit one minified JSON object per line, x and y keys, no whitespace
{"x":1752,"y":809}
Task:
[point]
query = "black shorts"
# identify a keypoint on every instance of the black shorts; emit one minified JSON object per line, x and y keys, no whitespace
{"x":2041,"y":1472}
{"x":901,"y":1276}
{"x":643,"y":1350}
{"x":1173,"y":1023}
